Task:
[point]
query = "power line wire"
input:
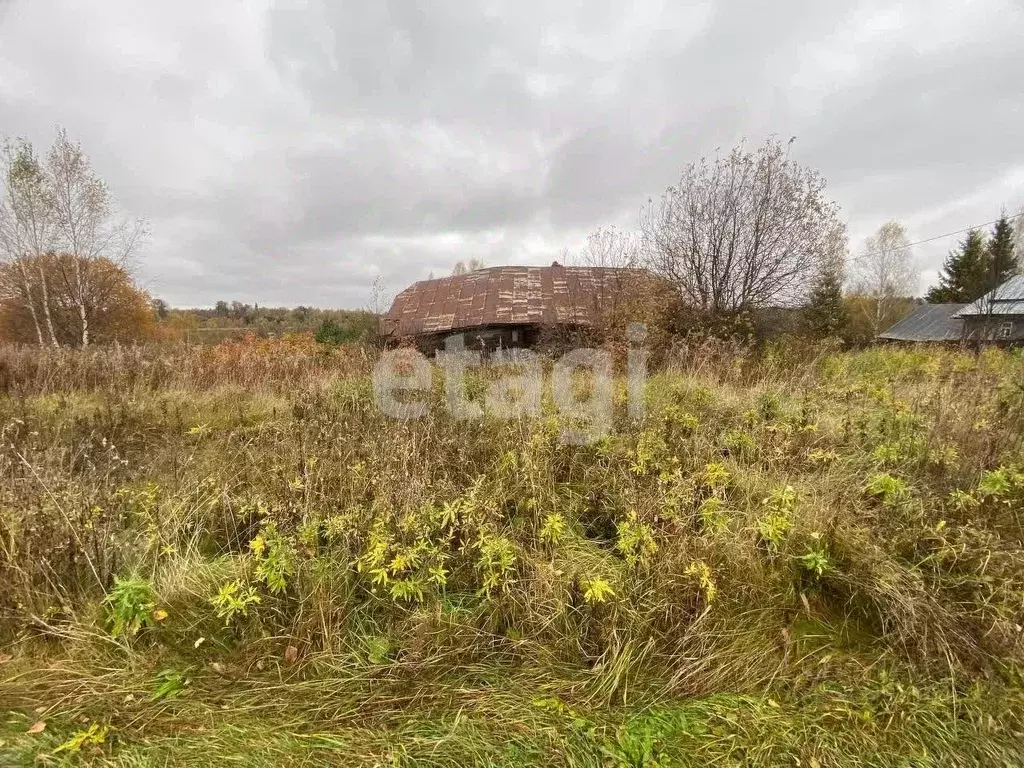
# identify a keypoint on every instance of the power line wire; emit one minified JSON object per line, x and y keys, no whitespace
{"x":950,"y":234}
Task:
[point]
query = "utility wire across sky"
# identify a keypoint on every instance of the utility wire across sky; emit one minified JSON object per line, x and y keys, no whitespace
{"x":950,"y":234}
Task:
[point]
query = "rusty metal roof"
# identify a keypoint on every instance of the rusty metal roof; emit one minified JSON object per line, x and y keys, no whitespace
{"x":554,"y":295}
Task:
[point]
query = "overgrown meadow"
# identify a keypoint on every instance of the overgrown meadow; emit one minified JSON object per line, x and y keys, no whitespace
{"x":229,"y":553}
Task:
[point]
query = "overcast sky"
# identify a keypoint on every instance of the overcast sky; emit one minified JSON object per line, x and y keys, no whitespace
{"x":289,"y":154}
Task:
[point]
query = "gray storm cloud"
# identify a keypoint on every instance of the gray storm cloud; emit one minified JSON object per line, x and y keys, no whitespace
{"x":291,"y":154}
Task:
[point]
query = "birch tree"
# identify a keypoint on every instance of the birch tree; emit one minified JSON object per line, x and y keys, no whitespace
{"x":59,"y":206}
{"x":885,"y":272}
{"x":27,"y":230}
{"x":84,"y":223}
{"x":609,"y":247}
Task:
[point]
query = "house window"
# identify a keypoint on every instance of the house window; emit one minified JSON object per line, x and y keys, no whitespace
{"x":515,"y":337}
{"x":1005,"y":330}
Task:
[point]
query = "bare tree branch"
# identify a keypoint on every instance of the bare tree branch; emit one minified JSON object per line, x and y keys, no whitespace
{"x":748,"y":230}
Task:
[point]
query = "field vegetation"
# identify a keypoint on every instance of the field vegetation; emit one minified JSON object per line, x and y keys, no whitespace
{"x":229,"y":555}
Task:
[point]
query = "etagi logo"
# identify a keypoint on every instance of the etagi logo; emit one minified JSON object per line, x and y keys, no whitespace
{"x":518,"y":391}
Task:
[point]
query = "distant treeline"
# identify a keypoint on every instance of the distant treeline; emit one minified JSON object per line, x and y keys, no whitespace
{"x":232,"y":319}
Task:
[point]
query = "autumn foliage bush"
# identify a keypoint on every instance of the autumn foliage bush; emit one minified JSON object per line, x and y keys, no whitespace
{"x":266,"y":362}
{"x":117,"y":310}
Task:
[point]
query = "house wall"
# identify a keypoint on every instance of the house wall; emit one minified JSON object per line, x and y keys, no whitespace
{"x":500,"y":337}
{"x":1007,"y":329}
{"x":486,"y":339}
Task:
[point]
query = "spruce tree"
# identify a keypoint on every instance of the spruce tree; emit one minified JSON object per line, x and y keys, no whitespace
{"x":1002,"y":258}
{"x":964,"y":276}
{"x":943,"y":293}
{"x":825,"y":314}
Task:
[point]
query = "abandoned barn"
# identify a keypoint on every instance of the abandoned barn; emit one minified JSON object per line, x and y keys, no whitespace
{"x":503,"y":307}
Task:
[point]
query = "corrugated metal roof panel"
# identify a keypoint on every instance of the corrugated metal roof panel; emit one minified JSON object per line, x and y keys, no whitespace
{"x":1007,"y":299}
{"x":929,"y":322}
{"x":503,"y":296}
{"x":1011,"y":290}
{"x":993,"y":308}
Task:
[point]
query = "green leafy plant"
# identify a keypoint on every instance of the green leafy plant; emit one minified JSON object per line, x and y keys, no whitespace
{"x":93,"y":736}
{"x":769,"y":407}
{"x":713,"y":516}
{"x":686,"y":422}
{"x":333,"y":334}
{"x":944,"y":456}
{"x":275,"y":556}
{"x":553,"y":529}
{"x":715,"y":476}
{"x":891,"y":490}
{"x":888,"y":453}
{"x":233,"y":599}
{"x":782,"y":500}
{"x":700,"y":571}
{"x":411,"y":589}
{"x":496,"y":562}
{"x":170,"y":684}
{"x":739,"y":442}
{"x":635,"y":540}
{"x":649,"y":452}
{"x":815,"y":560}
{"x":410,"y":571}
{"x":773,"y":529}
{"x":1000,"y":484}
{"x":632,"y":747}
{"x":775,"y":525}
{"x":130,"y":606}
{"x":822,"y":456}
{"x":961,"y":500}
{"x":377,"y":648}
{"x":597,"y":591}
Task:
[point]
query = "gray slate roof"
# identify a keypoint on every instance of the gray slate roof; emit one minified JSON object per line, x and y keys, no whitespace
{"x":1007,"y":299}
{"x":929,"y":322}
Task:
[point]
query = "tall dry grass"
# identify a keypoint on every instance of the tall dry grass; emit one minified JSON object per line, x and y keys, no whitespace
{"x":798,"y":523}
{"x":283,"y":363}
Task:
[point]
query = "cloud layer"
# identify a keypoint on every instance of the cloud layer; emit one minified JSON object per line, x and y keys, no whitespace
{"x":291,"y":154}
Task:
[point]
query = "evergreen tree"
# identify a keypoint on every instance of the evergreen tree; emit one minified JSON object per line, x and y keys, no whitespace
{"x":964,"y":276}
{"x":825,"y":314}
{"x":1002,"y":258}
